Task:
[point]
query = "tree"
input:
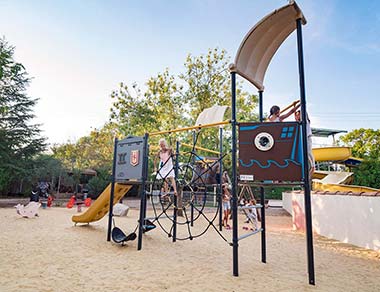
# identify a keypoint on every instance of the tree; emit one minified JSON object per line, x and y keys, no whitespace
{"x":161,"y":107}
{"x":93,"y":151}
{"x":365,"y":143}
{"x":98,"y":183}
{"x":368,"y":174}
{"x":20,"y":140}
{"x":168,"y":102}
{"x":171,"y":102}
{"x":42,"y":167}
{"x":207,"y":83}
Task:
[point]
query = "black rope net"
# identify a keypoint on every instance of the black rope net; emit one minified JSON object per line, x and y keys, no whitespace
{"x":188,"y":201}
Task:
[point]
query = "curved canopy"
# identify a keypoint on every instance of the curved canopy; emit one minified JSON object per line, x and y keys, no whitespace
{"x":262,"y":41}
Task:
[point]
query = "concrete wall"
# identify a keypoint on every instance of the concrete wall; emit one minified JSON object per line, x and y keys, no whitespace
{"x":350,"y":219}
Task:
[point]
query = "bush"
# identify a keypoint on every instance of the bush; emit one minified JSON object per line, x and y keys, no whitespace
{"x":98,"y":183}
{"x":271,"y":193}
{"x":276,"y":193}
{"x":368,"y":174}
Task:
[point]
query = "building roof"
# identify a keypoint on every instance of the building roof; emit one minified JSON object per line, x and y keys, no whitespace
{"x":319,"y":132}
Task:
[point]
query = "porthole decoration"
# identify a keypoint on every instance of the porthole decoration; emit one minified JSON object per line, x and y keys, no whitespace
{"x":264,"y":141}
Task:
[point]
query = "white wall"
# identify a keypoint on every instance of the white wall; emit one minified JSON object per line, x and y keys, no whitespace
{"x":350,"y":219}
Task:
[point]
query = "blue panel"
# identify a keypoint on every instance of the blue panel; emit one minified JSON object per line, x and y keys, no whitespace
{"x":248,"y":128}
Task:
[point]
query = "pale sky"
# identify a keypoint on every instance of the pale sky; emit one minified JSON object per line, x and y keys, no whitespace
{"x":78,"y":51}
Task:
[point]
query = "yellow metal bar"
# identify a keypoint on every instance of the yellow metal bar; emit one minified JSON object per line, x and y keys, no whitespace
{"x":189,"y":128}
{"x":294,"y":103}
{"x":200,"y":148}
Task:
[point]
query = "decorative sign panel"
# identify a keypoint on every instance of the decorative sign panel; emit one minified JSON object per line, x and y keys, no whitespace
{"x":270,"y":151}
{"x":129,"y":159}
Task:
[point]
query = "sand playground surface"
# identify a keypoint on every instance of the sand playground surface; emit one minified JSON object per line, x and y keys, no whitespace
{"x":49,"y":253}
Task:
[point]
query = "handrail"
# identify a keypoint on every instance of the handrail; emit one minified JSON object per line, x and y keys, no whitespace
{"x":190,"y":128}
{"x":294,"y":103}
{"x":200,"y":148}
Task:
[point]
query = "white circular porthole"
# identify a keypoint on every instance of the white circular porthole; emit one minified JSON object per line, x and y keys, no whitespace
{"x":264,"y":141}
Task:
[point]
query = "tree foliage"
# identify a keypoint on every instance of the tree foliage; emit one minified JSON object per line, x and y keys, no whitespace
{"x":98,"y":183}
{"x":158,"y":108}
{"x":171,"y":102}
{"x":365,"y":143}
{"x":368,"y":174}
{"x":92,"y":151}
{"x":207,"y":83}
{"x":20,"y":139}
{"x":167,"y":102}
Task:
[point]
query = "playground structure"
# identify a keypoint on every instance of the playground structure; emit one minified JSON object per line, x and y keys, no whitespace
{"x":265,"y":169}
{"x":251,"y":62}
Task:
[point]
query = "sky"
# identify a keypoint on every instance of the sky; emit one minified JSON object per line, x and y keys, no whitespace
{"x":78,"y":51}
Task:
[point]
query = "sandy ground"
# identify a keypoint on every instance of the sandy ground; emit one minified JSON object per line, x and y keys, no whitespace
{"x":49,"y":253}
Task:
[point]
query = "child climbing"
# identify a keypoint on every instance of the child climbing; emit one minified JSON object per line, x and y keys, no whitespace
{"x":251,"y":214}
{"x":165,"y":169}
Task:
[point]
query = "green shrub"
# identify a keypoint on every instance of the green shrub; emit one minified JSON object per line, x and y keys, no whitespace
{"x":368,"y":174}
{"x":98,"y":183}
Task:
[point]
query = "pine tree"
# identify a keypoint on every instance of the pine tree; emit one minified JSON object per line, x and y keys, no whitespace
{"x":20,"y":140}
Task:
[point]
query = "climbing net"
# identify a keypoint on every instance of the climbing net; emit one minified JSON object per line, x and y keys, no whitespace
{"x":187,"y":201}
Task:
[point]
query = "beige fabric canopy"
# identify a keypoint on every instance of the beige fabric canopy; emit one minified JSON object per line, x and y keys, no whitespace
{"x":262,"y":41}
{"x":211,"y":115}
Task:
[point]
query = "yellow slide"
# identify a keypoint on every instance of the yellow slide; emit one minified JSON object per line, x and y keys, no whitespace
{"x":100,"y":207}
{"x":331,"y":153}
{"x":334,"y":181}
{"x":318,"y":186}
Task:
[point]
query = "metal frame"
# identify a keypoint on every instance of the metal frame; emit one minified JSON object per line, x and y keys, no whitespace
{"x":306,"y":178}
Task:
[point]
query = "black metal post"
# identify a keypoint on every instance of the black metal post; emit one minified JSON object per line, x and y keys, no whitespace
{"x":308,"y":216}
{"x":192,"y":205}
{"x":220,"y":189}
{"x":143,"y":192}
{"x":261,"y":112}
{"x":176,"y":196}
{"x":262,"y":195}
{"x":235,"y":243}
{"x":110,"y":212}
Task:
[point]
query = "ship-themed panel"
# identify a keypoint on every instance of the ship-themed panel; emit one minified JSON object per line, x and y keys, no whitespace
{"x":270,"y":151}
